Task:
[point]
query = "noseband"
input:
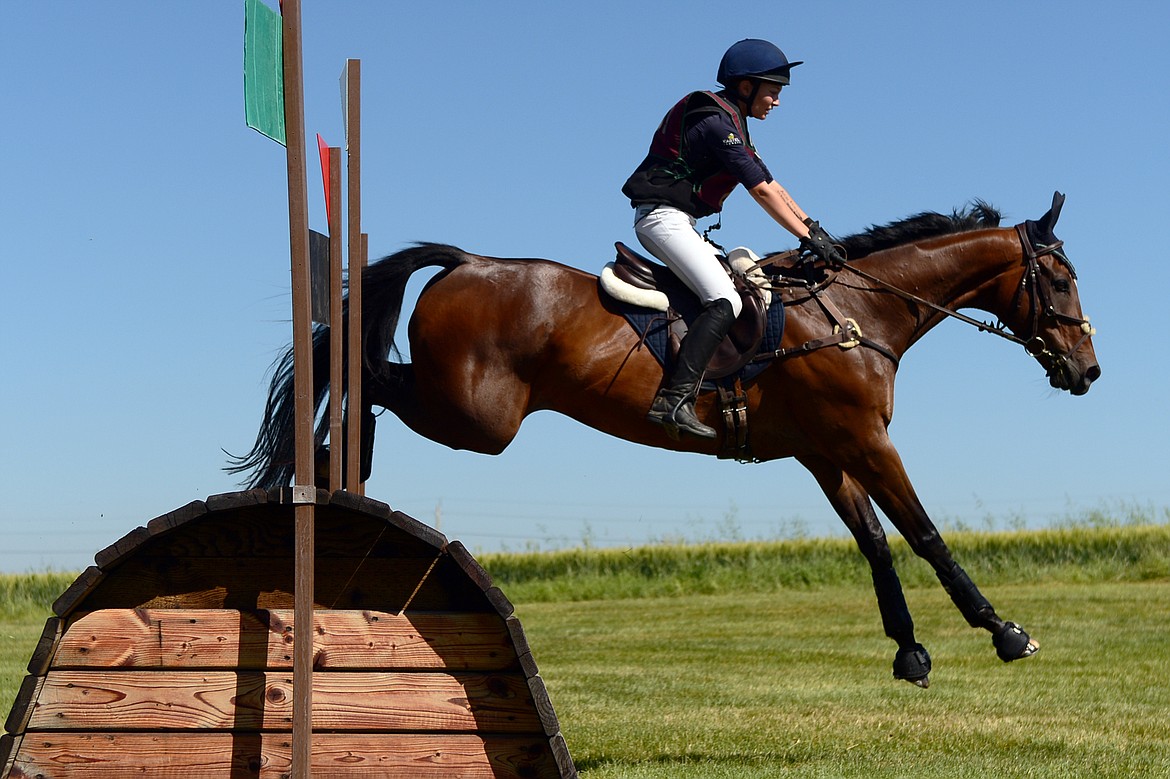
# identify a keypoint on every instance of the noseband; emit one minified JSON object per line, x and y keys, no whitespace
{"x":1041,"y":303}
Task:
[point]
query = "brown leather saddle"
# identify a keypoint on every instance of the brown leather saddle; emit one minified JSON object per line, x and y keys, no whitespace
{"x":741,"y":343}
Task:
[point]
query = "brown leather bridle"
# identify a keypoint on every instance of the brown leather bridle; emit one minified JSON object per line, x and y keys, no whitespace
{"x":1041,"y":302}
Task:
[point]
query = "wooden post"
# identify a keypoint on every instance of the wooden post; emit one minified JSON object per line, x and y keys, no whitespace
{"x":357,"y":261}
{"x":365,"y":260}
{"x":336,"y":326}
{"x":304,"y":492}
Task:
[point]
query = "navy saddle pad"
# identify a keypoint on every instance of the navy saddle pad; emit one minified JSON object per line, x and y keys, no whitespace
{"x":658,"y":335}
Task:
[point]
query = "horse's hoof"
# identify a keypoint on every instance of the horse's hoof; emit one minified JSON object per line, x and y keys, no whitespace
{"x":1012,"y":643}
{"x":913,"y":665}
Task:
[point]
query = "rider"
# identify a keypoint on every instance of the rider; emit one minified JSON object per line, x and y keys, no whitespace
{"x":700,"y":152}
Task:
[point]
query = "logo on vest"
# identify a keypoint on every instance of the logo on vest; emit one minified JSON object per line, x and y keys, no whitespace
{"x":732,"y":140}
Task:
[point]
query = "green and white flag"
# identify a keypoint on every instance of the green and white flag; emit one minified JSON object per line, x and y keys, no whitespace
{"x":264,"y":70}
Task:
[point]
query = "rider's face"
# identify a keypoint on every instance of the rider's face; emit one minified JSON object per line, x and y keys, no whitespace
{"x":767,"y":98}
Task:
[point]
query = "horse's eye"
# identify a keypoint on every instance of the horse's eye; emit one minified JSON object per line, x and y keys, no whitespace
{"x":1062,"y":286}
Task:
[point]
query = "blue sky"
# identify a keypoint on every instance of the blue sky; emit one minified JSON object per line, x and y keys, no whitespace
{"x":145,"y":252}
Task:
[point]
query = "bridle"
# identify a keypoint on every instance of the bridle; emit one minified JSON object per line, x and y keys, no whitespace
{"x":1041,"y":301}
{"x":1038,"y":296}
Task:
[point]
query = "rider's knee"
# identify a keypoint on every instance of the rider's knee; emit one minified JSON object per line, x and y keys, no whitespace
{"x":736,"y":304}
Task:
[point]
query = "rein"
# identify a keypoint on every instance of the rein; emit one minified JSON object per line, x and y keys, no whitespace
{"x":1041,"y":302}
{"x":847,"y":334}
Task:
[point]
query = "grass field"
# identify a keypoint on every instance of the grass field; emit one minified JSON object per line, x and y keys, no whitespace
{"x":768,"y":660}
{"x":799,"y":684}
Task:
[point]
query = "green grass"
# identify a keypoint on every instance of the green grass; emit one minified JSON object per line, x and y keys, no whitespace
{"x":25,"y":604}
{"x":768,"y":659}
{"x":1073,"y":554}
{"x":798,"y":684}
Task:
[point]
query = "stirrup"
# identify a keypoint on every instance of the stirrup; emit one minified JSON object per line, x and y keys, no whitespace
{"x":678,"y":417}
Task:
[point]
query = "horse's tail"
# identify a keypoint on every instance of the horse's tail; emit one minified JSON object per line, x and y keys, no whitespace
{"x":383,"y":289}
{"x":272,"y":459}
{"x":271,"y":462}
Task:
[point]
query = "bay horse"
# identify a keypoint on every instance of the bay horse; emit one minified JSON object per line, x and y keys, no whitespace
{"x":493,"y":340}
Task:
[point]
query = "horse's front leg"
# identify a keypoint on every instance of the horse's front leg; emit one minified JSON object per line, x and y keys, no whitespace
{"x":881,"y":473}
{"x":912,"y":662}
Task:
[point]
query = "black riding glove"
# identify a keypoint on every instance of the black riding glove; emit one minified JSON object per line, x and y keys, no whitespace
{"x":819,"y":243}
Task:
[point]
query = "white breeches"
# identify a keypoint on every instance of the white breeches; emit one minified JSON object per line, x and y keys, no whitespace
{"x":669,"y":234}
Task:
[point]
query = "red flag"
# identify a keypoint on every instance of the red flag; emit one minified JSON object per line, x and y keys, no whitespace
{"x":323,"y":153}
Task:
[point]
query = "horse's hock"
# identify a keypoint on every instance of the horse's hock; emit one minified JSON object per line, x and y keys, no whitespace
{"x":172,"y":655}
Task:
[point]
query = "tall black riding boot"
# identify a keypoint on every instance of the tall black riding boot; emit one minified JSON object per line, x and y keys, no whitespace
{"x":674,"y":406}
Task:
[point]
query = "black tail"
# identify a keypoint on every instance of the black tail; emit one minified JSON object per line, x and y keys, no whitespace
{"x":271,"y":461}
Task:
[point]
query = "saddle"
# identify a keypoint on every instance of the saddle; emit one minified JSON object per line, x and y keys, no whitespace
{"x":637,"y":280}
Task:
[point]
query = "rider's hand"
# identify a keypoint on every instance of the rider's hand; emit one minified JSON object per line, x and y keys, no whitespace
{"x":819,"y":243}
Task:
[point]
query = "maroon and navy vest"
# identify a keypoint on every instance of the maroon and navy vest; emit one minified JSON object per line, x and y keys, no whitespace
{"x":671,"y":175}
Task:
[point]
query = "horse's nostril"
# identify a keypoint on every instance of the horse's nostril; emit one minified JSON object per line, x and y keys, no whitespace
{"x":1093,"y":373}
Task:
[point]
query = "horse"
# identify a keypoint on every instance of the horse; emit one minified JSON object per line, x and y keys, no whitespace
{"x":493,"y":340}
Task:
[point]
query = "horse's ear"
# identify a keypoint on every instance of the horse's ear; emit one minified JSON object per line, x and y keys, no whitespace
{"x":1048,"y":221}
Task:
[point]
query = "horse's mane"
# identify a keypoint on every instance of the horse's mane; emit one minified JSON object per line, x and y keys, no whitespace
{"x":927,"y":224}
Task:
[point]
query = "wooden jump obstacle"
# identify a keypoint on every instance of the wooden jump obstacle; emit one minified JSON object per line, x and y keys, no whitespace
{"x":172,"y":656}
{"x":177,"y":654}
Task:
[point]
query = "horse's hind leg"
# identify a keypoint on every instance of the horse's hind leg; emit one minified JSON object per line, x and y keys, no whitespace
{"x":912,"y":661}
{"x":479,"y":410}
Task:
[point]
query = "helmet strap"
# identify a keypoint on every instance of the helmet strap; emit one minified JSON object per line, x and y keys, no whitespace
{"x":751,"y":97}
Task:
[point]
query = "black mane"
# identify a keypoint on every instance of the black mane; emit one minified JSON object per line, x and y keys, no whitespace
{"x":927,"y":224}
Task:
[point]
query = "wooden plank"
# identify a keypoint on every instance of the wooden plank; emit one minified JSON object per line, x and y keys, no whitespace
{"x":9,"y":746}
{"x":303,"y":601}
{"x":469,"y":565}
{"x":267,"y":530}
{"x":353,"y":144}
{"x":543,"y":704}
{"x":345,"y":701}
{"x":520,"y":642}
{"x":560,"y":749}
{"x":252,"y":522}
{"x":226,"y":501}
{"x":247,"y":583}
{"x":24,"y":705}
{"x":412,"y":526}
{"x":122,"y":548}
{"x":42,"y":656}
{"x":499,"y":601}
{"x":303,"y":444}
{"x":268,"y":756}
{"x":258,"y":531}
{"x":81,"y":588}
{"x":177,"y":518}
{"x":211,"y":639}
{"x":336,"y":324}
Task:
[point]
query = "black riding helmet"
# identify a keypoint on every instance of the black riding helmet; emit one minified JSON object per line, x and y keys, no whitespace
{"x":754,"y":59}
